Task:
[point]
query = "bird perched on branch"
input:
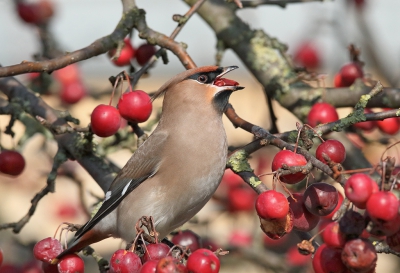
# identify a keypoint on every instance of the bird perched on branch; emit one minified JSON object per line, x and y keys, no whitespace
{"x":173,"y":174}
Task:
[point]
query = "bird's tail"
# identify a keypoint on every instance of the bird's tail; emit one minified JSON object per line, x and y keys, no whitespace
{"x":81,"y":242}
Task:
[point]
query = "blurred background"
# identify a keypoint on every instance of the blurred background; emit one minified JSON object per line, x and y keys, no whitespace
{"x":327,"y":27}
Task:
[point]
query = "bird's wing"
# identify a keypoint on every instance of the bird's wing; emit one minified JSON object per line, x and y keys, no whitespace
{"x":143,"y":164}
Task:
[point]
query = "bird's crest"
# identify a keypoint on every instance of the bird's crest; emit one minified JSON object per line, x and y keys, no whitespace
{"x":180,"y":77}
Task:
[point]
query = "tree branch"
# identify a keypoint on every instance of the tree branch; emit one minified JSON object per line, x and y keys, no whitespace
{"x":74,"y":144}
{"x":59,"y":158}
{"x":134,"y":18}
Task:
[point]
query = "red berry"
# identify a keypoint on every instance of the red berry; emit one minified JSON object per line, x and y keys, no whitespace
{"x":320,"y":261}
{"x":203,"y":261}
{"x":359,"y":4}
{"x":149,"y":267}
{"x":337,"y":80}
{"x":383,"y":205}
{"x":187,"y":238}
{"x":35,"y":13}
{"x":127,"y":53}
{"x":231,"y":179}
{"x":105,"y":120}
{"x":393,"y":241}
{"x":384,"y":228}
{"x":47,"y":249}
{"x":359,"y":255}
{"x":45,"y":10}
{"x":272,"y":205}
{"x":49,"y":268}
{"x":170,"y":264}
{"x":295,"y":258}
{"x":240,"y":238}
{"x":389,"y":126}
{"x":144,"y":53}
{"x":289,"y":158}
{"x":32,"y":266}
{"x":303,"y":220}
{"x":332,"y":148}
{"x":328,"y":259}
{"x":320,"y":198}
{"x":66,"y":210}
{"x":123,"y":261}
{"x":135,"y":106}
{"x":71,"y":263}
{"x":73,"y":92}
{"x":27,"y":12}
{"x":10,"y":268}
{"x":32,"y":76}
{"x":155,"y":252}
{"x":352,"y":224}
{"x":340,"y":201}
{"x":350,"y":72}
{"x":366,"y":125}
{"x":207,"y":243}
{"x":275,"y":243}
{"x":358,"y":189}
{"x":307,"y":55}
{"x":241,"y":199}
{"x":322,"y":112}
{"x":11,"y":162}
{"x":332,"y":236}
{"x":67,"y":75}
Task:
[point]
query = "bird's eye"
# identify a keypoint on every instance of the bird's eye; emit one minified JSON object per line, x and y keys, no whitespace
{"x":202,"y":78}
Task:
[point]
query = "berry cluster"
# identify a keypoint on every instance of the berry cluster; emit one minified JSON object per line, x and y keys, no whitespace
{"x":346,"y":246}
{"x":300,"y":211}
{"x":388,"y":126}
{"x":48,"y":249}
{"x":158,"y":258}
{"x":142,"y":54}
{"x":323,"y":112}
{"x":134,"y":106}
{"x":190,"y":254}
{"x":69,"y":78}
{"x":72,"y":88}
{"x":348,"y":74}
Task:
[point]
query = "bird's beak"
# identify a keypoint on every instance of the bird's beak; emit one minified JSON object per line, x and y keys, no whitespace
{"x":227,"y":83}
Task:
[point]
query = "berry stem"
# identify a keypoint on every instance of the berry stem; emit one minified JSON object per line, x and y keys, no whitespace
{"x":129,"y":81}
{"x":356,"y":171}
{"x":312,"y":129}
{"x":114,"y":87}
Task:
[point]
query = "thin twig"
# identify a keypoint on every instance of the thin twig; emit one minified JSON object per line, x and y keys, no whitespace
{"x":161,"y":52}
{"x":61,"y":129}
{"x":59,"y":158}
{"x":134,"y":18}
{"x":380,"y":248}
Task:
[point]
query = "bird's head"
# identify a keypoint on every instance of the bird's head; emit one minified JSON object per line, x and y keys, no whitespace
{"x":202,"y":85}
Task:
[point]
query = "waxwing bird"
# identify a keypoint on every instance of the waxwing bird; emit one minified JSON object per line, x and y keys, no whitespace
{"x":173,"y":174}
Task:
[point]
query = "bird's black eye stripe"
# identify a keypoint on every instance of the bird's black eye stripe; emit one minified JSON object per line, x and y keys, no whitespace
{"x":206,"y":77}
